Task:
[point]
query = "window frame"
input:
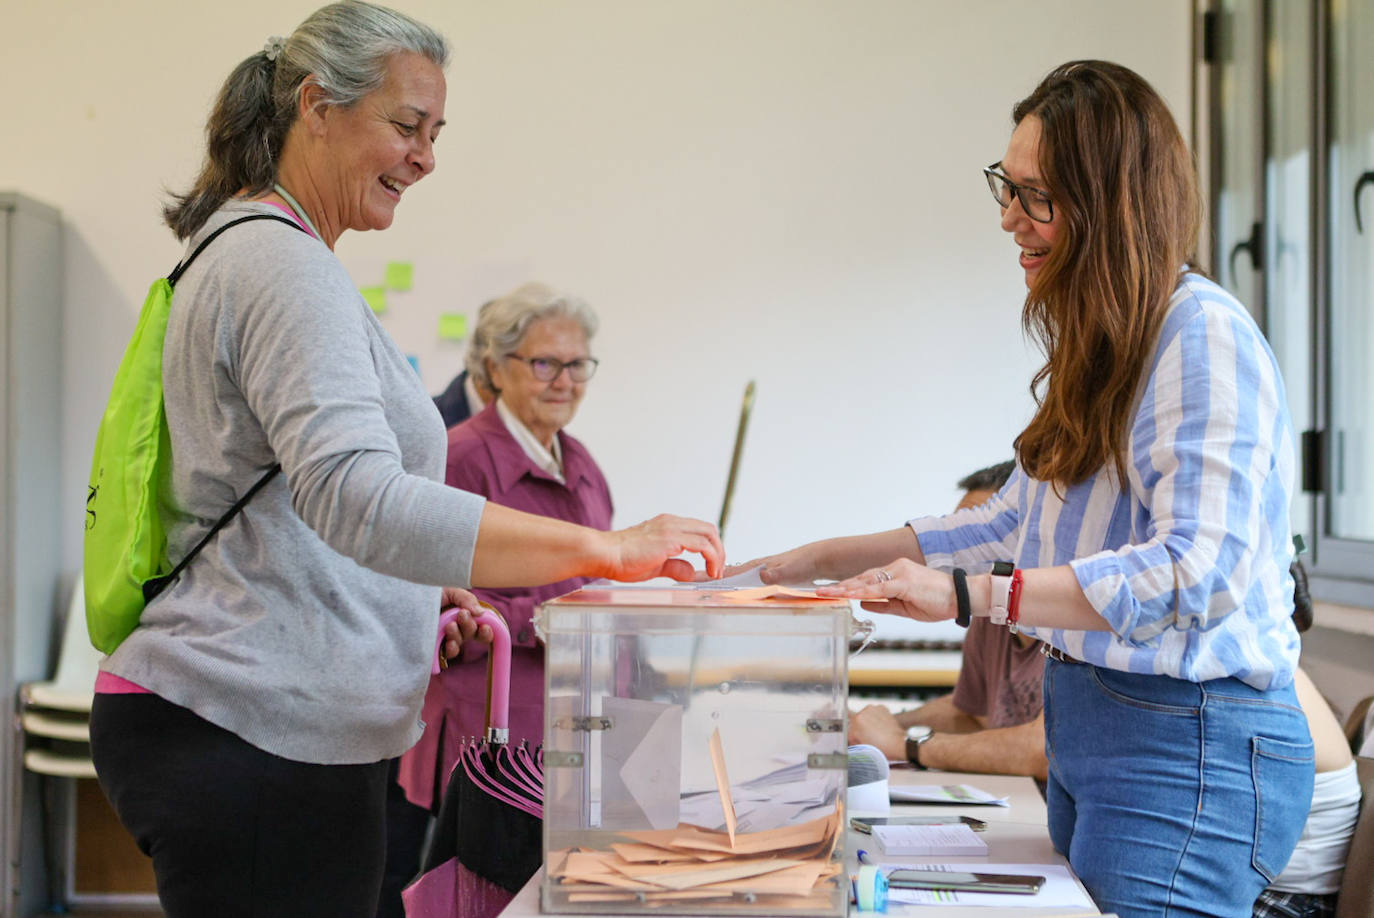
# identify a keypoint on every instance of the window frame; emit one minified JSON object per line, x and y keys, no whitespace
{"x":1341,"y":570}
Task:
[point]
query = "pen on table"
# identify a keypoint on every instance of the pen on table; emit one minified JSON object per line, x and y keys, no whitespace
{"x":863,"y":857}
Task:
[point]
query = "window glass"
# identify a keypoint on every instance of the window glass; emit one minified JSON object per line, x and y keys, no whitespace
{"x":1288,"y":223}
{"x":1350,"y":159}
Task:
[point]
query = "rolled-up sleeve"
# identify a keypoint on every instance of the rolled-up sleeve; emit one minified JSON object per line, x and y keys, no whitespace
{"x":975,"y":537}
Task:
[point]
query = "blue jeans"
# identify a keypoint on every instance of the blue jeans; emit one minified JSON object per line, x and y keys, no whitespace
{"x":1173,"y":798}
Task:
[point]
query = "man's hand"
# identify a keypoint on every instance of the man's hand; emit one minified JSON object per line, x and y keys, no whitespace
{"x":877,"y":726}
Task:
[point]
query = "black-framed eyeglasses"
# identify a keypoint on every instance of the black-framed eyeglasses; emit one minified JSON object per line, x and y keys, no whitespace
{"x":546,"y":369}
{"x":1034,"y":202}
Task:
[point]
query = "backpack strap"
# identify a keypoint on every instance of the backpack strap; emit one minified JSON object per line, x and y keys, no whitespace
{"x":180,"y":269}
{"x":153,"y":587}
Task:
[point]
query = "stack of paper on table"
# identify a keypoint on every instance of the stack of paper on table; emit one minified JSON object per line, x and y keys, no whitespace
{"x":954,"y":840}
{"x":962,"y":794}
{"x":784,"y":868}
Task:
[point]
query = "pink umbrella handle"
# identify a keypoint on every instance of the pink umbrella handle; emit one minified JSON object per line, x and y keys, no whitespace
{"x":498,"y":669}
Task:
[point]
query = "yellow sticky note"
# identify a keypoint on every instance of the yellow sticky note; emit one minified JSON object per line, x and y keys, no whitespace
{"x":453,"y":326}
{"x":399,"y":275}
{"x":375,"y":297}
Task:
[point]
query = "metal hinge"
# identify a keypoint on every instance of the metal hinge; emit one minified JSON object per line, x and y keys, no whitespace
{"x":824,"y":725}
{"x":557,"y":758}
{"x":584,"y":724}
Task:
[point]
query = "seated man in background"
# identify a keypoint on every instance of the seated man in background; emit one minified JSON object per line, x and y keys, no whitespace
{"x":467,"y":394}
{"x":992,"y":722}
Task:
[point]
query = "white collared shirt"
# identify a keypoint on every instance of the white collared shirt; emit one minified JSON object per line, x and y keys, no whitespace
{"x":549,"y":461}
{"x":475,"y":403}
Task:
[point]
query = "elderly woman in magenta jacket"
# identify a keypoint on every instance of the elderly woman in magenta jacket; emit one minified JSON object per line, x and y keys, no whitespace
{"x":532,"y":348}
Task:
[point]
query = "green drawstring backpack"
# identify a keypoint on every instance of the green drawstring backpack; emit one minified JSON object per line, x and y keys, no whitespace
{"x":125,"y":561}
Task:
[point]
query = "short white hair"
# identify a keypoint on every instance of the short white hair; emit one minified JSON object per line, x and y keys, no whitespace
{"x":503,"y":322}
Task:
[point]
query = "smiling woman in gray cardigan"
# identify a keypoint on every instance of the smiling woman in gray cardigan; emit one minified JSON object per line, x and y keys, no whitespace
{"x":242,"y":730}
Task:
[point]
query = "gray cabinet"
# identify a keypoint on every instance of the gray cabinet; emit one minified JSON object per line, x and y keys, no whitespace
{"x":30,"y":489}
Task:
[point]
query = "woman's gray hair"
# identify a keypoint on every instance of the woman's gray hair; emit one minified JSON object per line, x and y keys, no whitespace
{"x":503,"y":322}
{"x":342,"y":48}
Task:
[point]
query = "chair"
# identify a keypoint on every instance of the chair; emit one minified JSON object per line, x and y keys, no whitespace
{"x":1356,"y":898}
{"x":54,"y":720}
{"x":59,"y":710}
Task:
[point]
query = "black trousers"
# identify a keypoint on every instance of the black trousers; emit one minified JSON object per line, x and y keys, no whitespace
{"x":234,"y":831}
{"x":406,"y":825}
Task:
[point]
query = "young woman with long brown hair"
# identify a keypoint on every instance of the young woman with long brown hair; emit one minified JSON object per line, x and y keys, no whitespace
{"x":1144,"y":535}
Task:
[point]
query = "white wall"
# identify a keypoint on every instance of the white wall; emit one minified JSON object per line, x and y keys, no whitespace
{"x":779,"y":190}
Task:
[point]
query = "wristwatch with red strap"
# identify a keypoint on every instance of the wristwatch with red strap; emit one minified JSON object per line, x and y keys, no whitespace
{"x":1001,"y":592}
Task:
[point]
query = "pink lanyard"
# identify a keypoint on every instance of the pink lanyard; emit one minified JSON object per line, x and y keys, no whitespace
{"x":292,"y":214}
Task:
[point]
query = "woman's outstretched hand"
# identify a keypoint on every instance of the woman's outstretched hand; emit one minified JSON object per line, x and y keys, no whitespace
{"x":799,"y":566}
{"x":462,"y":628}
{"x":909,"y":588}
{"x":832,"y":559}
{"x":651,"y":549}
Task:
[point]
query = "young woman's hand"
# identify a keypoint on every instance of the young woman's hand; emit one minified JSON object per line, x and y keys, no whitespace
{"x":834,"y":559}
{"x":900,"y":587}
{"x":799,"y":566}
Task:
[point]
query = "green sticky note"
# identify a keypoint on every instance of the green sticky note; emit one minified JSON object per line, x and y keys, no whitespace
{"x":399,"y":275}
{"x":375,"y":297}
{"x":453,"y":326}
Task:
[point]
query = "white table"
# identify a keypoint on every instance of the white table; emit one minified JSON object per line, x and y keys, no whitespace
{"x":1015,"y":834}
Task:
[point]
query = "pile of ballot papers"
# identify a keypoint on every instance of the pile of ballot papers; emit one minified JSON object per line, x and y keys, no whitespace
{"x":789,"y":868}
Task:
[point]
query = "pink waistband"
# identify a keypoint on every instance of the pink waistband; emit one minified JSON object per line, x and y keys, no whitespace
{"x":110,"y":684}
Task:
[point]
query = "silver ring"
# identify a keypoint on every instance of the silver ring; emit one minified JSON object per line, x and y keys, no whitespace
{"x":883,"y":576}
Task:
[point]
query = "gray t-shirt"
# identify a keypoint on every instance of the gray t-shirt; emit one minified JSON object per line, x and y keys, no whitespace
{"x":306,"y":626}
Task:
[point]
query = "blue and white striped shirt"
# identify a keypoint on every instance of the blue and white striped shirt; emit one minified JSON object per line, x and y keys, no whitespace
{"x":1189,"y":563}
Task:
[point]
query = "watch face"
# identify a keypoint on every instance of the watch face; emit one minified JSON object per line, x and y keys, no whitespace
{"x":919,"y":733}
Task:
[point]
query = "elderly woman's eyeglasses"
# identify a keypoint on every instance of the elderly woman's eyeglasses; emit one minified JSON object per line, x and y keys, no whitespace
{"x":546,"y":369}
{"x":1034,"y":202}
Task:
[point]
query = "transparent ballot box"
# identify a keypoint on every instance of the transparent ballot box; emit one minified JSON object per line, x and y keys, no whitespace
{"x":695,"y":752}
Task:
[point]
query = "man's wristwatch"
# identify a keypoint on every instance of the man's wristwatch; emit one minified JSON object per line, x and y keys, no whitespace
{"x":915,"y":737}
